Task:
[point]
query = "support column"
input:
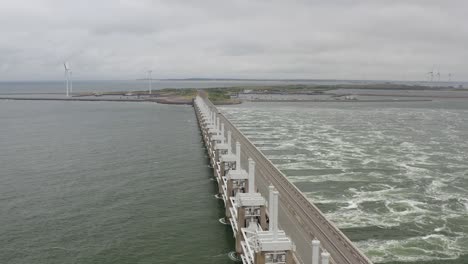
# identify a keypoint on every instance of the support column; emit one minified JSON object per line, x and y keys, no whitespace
{"x":270,"y":207}
{"x":220,"y":188}
{"x":240,"y":224}
{"x":222,"y":169}
{"x":325,"y":257}
{"x":263,"y":221}
{"x":289,"y":257}
{"x":260,"y":257}
{"x":315,"y":251}
{"x":238,"y":156}
{"x":215,"y":166}
{"x":251,"y":181}
{"x":228,"y":200}
{"x":275,"y":214}
{"x":229,"y":142}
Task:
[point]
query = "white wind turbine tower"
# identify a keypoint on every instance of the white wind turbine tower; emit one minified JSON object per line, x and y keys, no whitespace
{"x":149,"y":81}
{"x":71,"y":82}
{"x":431,"y":74}
{"x":67,"y":78}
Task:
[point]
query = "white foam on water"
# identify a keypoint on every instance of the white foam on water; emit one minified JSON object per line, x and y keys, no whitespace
{"x":62,"y":248}
{"x":351,"y":205}
{"x":442,"y":228}
{"x":421,"y":248}
{"x":234,"y":257}
{"x":399,"y":209}
{"x":321,"y":178}
{"x":412,"y":165}
{"x":222,"y":220}
{"x":466,"y":205}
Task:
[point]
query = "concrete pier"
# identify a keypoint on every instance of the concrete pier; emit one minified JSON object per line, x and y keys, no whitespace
{"x":289,"y":229}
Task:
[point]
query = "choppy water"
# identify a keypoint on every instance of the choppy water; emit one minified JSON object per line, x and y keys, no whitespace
{"x":392,"y":176}
{"x":86,"y":182}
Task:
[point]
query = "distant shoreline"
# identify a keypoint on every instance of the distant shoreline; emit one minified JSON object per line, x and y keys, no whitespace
{"x":292,"y":93}
{"x":156,"y":100}
{"x":176,"y":101}
{"x":341,"y":101}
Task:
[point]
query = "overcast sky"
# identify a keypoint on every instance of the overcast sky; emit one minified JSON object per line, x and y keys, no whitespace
{"x":342,"y":39}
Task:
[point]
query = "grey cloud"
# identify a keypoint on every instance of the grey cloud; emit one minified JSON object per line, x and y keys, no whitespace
{"x":246,"y":39}
{"x":131,"y":29}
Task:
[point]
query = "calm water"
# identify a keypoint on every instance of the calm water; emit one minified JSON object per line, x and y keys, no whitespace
{"x":106,"y":183}
{"x":392,"y":176}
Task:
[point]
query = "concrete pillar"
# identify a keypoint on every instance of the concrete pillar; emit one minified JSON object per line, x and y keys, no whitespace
{"x":222,"y":134}
{"x":210,"y":152}
{"x":220,"y":188}
{"x":259,"y":257}
{"x":251,"y":181}
{"x":229,"y":187}
{"x":229,"y":142}
{"x":222,"y":169}
{"x":205,"y":136}
{"x":289,"y":257}
{"x":212,"y":147}
{"x":238,"y":155}
{"x":228,"y":200}
{"x":241,"y":217}
{"x":240,"y":224}
{"x":315,"y":251}
{"x":325,"y":257}
{"x":270,"y":207}
{"x":214,"y":119}
{"x":263,"y":222}
{"x":275,"y":215}
{"x":215,"y":167}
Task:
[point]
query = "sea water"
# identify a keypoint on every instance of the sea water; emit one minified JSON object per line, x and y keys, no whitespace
{"x":393,"y":176}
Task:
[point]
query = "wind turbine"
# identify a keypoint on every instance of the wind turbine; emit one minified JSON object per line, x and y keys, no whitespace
{"x":450,"y":77}
{"x":149,"y":81}
{"x":71,"y":82}
{"x":67,"y":78}
{"x":431,"y":74}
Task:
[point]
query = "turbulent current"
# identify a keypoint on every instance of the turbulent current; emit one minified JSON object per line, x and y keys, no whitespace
{"x":392,"y":176}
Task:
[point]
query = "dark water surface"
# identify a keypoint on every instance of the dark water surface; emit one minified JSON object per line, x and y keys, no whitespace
{"x":392,"y":176}
{"x":86,"y":182}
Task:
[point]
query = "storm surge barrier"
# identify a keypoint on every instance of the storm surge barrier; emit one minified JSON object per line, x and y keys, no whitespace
{"x":271,"y":219}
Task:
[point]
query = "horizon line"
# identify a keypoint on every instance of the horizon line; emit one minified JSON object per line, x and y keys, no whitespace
{"x":236,"y":79}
